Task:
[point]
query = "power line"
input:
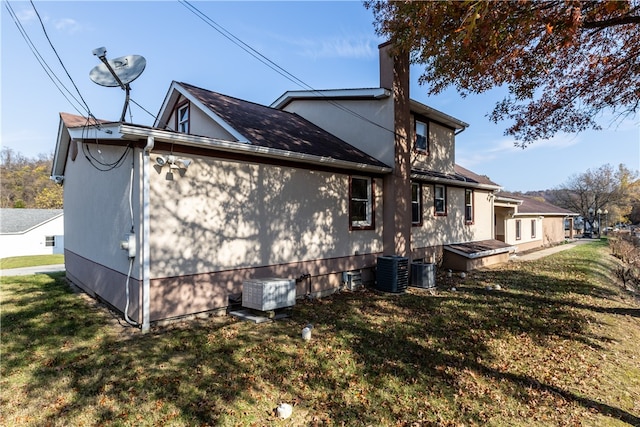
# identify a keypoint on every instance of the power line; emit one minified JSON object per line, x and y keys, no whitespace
{"x":275,"y":67}
{"x":43,"y":63}
{"x":60,"y":60}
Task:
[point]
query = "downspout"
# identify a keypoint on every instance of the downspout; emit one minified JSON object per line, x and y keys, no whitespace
{"x":146,"y":269}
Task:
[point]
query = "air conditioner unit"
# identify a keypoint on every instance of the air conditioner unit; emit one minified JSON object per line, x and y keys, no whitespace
{"x":392,"y":273}
{"x":268,"y":294}
{"x":423,"y":275}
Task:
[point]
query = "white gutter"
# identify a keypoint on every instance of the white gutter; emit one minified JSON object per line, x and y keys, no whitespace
{"x":240,"y":147}
{"x":146,"y":269}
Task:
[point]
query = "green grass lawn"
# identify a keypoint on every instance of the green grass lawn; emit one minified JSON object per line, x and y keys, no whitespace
{"x":558,"y":344}
{"x":30,"y":261}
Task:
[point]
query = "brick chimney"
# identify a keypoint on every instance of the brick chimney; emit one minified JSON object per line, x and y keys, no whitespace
{"x":394,"y":75}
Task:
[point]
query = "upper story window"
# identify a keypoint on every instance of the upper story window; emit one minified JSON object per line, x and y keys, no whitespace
{"x":440,"y":199}
{"x":182,"y":118}
{"x":422,"y":141}
{"x":468,"y":206}
{"x":361,"y":203}
{"x":416,"y":203}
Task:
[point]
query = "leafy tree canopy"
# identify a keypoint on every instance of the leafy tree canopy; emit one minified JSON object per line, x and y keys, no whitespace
{"x":616,"y":191}
{"x":25,"y":182}
{"x":564,"y":63}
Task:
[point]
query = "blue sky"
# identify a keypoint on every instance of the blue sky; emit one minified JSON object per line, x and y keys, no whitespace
{"x":327,"y":45}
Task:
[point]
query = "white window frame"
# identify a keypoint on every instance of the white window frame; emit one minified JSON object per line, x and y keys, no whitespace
{"x":443,"y":198}
{"x":422,"y":135}
{"x":50,"y":241}
{"x":468,"y":206}
{"x":367,"y":222}
{"x":183,"y":114}
{"x":533,"y":228}
{"x":416,"y":204}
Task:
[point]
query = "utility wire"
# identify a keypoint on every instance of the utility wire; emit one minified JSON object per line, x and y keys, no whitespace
{"x":60,"y":60}
{"x":269,"y":63}
{"x":43,"y":63}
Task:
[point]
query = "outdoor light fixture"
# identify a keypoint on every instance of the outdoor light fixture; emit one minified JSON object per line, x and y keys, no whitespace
{"x":173,"y":161}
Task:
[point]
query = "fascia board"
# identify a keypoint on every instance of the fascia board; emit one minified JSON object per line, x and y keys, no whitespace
{"x":169,"y":99}
{"x":62,"y":150}
{"x":240,"y":147}
{"x":437,"y":115}
{"x":330,"y":95}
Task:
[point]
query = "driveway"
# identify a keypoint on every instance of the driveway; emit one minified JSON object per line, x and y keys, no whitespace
{"x":25,"y":271}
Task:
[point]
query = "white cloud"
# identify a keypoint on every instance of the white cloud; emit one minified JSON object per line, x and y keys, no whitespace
{"x":340,"y":48}
{"x":26,"y":15}
{"x":67,"y":25}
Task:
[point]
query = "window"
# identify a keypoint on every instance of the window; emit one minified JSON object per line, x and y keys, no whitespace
{"x":468,"y":206}
{"x":440,"y":200}
{"x":361,"y":203}
{"x":49,"y":240}
{"x":533,"y":228}
{"x":182,"y":117}
{"x":422,"y":136}
{"x":518,"y":229}
{"x":416,"y":204}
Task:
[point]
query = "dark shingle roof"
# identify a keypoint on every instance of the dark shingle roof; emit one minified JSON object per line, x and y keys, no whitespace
{"x":21,"y":220}
{"x":268,"y":127}
{"x":534,"y":206}
{"x":460,"y":174}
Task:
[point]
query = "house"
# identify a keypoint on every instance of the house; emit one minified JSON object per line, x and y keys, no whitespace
{"x":31,"y":232}
{"x":168,"y":221}
{"x":434,"y":208}
{"x":529,"y":223}
{"x":220,"y":191}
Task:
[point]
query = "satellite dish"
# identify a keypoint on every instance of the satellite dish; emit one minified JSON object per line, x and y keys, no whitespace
{"x":117,"y":72}
{"x":126,"y":68}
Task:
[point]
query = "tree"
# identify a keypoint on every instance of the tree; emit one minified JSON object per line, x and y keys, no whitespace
{"x":25,"y":182}
{"x":604,"y":189}
{"x":564,"y":63}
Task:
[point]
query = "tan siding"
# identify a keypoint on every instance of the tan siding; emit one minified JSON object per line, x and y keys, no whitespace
{"x":224,"y":214}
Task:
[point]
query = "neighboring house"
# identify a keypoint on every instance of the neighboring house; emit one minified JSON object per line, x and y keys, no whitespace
{"x":221,"y":190}
{"x":31,"y":232}
{"x":530,"y":223}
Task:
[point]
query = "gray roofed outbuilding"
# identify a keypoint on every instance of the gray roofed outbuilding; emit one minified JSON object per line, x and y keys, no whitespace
{"x":13,"y":221}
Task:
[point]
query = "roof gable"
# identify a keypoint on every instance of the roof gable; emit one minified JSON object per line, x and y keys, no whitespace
{"x":269,"y":127}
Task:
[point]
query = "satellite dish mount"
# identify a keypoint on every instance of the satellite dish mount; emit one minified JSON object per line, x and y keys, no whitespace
{"x":117,"y":72}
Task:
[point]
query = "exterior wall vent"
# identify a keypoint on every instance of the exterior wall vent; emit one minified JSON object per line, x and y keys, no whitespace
{"x":352,"y":280}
